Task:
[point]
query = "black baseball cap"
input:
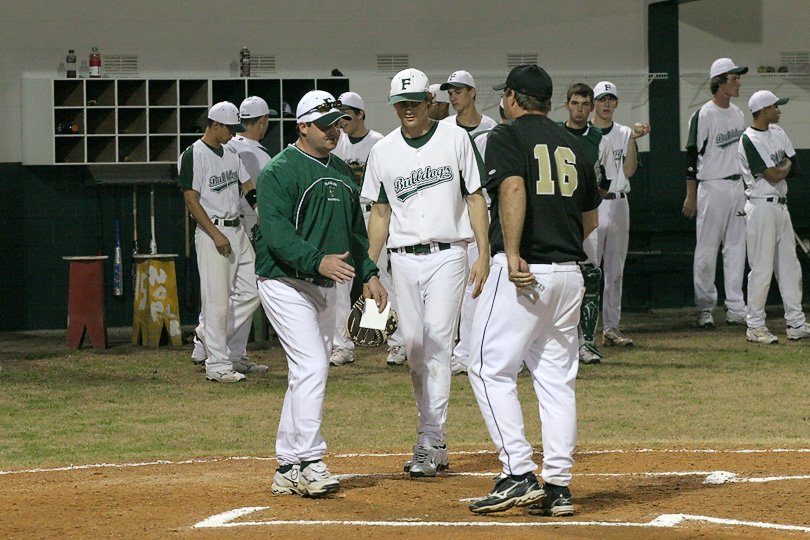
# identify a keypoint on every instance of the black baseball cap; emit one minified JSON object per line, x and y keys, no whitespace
{"x":529,"y":79}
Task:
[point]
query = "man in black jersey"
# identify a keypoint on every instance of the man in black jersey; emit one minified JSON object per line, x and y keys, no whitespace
{"x":544,"y":203}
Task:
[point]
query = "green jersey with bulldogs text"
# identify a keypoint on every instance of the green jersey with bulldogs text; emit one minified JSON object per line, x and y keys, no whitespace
{"x":425,"y":181}
{"x":308,"y":208}
{"x":560,"y":181}
{"x":716,"y":132}
{"x":216,"y":174}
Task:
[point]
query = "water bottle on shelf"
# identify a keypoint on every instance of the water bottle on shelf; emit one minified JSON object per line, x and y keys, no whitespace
{"x":244,"y":62}
{"x":95,"y":64}
{"x":70,"y":64}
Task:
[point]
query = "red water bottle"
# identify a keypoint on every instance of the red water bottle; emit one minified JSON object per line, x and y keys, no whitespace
{"x":95,"y":64}
{"x":244,"y":62}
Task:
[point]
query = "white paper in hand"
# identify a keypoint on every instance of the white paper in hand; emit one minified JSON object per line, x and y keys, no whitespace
{"x":372,"y":318}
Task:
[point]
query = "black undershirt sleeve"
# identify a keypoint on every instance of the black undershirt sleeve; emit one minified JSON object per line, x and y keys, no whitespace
{"x":691,"y":162}
{"x":795,"y":170}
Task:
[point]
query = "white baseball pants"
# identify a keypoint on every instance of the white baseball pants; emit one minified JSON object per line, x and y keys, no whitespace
{"x":462,"y":349}
{"x":343,"y":306}
{"x":228,"y":292}
{"x":538,"y":326}
{"x":236,"y":339}
{"x":303,"y":315}
{"x":429,"y":290}
{"x":613,"y":238}
{"x":720,"y":219}
{"x":772,"y":249}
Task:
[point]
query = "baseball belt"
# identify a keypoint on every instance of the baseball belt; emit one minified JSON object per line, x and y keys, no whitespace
{"x":226,"y":222}
{"x":611,"y":196}
{"x":421,"y":249}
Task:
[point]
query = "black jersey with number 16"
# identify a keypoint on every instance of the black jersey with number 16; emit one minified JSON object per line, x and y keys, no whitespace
{"x":560,"y":185}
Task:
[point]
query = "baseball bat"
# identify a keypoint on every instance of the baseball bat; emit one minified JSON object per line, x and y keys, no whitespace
{"x":118,"y":285}
{"x":99,"y":221}
{"x":189,"y":270}
{"x":802,"y":245}
{"x":152,"y":241}
{"x":135,"y":248}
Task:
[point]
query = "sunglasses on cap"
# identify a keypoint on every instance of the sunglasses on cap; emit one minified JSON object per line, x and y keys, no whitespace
{"x":325,"y":107}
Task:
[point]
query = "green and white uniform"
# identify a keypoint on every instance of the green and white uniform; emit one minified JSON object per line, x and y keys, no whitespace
{"x":770,"y":240}
{"x":227,"y":284}
{"x":715,"y":133}
{"x":308,"y":208}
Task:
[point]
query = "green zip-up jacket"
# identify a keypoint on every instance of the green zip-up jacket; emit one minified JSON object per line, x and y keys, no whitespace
{"x":308,"y":209}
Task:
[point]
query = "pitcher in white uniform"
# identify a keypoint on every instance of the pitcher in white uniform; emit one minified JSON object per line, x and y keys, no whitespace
{"x":425,"y":182}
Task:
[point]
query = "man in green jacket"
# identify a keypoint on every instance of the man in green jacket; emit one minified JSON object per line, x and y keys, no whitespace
{"x":311,"y":236}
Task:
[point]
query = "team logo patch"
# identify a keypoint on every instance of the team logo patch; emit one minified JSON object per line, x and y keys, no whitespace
{"x":222,"y":181}
{"x":424,"y":178}
{"x":492,"y":172}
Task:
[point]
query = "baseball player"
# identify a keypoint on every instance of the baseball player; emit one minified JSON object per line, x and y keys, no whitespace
{"x":311,"y":236}
{"x":460,"y":87}
{"x":715,"y":194}
{"x":613,"y":233}
{"x":439,"y":105}
{"x":767,"y":159}
{"x":353,"y":147}
{"x":210,"y":175}
{"x":579,"y":103}
{"x":425,"y":182}
{"x":545,"y":197}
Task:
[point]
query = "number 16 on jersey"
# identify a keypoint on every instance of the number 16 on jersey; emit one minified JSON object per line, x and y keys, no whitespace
{"x":566,"y":170}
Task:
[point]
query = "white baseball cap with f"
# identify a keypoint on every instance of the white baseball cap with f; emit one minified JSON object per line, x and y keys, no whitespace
{"x":353,"y":100}
{"x":721,"y":66}
{"x":320,"y":108}
{"x":459,"y":78}
{"x":255,"y":107}
{"x":605,"y":88}
{"x":409,"y":85}
{"x":764,"y":98}
{"x":226,"y":114}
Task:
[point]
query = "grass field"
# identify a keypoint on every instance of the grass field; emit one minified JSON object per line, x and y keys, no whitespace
{"x":678,"y":387}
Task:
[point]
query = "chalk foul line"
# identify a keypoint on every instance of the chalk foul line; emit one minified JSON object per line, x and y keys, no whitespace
{"x":225,"y":520}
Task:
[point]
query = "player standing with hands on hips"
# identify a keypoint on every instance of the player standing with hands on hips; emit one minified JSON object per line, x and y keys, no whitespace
{"x":767,"y":159}
{"x":425,"y":182}
{"x":715,"y":194}
{"x":311,"y":236}
{"x":210,"y":175}
{"x":613,"y":233}
{"x":544,"y":204}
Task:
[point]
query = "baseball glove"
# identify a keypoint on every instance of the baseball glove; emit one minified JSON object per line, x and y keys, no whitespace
{"x":368,"y":337}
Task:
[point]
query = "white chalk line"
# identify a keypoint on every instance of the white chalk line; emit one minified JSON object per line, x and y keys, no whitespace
{"x":225,"y":520}
{"x":381,"y":455}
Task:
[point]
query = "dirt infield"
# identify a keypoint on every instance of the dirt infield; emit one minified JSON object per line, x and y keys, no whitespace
{"x":617,"y":494}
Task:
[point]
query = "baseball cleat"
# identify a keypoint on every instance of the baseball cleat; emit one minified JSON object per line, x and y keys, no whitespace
{"x":761,"y":335}
{"x":341,"y":356}
{"x":798,"y":332}
{"x":613,"y":336}
{"x":224,"y":376}
{"x":396,"y":356}
{"x":316,"y":481}
{"x":735,"y":319}
{"x":246,"y":365}
{"x":456,"y":366}
{"x":556,"y":503}
{"x":589,"y":354}
{"x":286,"y":483}
{"x":705,"y":319}
{"x":427,"y":460}
{"x":198,"y":361}
{"x":510,"y":490}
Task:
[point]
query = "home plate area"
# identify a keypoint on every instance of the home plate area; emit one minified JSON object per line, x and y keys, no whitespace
{"x":619,"y":494}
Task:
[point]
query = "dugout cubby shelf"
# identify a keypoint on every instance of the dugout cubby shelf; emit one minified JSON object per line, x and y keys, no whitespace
{"x":145,"y":121}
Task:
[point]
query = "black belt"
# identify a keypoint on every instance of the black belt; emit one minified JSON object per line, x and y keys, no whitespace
{"x":611,"y":196}
{"x":779,"y":200}
{"x":226,"y":222}
{"x":733,"y":177}
{"x":421,"y":249}
{"x":320,"y":281}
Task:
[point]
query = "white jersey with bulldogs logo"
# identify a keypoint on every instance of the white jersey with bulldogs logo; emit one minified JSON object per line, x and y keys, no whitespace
{"x":216,"y":178}
{"x":619,"y":137}
{"x":422,"y":185}
{"x":716,"y":132}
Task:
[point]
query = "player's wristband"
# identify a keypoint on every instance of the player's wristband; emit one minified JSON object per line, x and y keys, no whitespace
{"x":250,"y":197}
